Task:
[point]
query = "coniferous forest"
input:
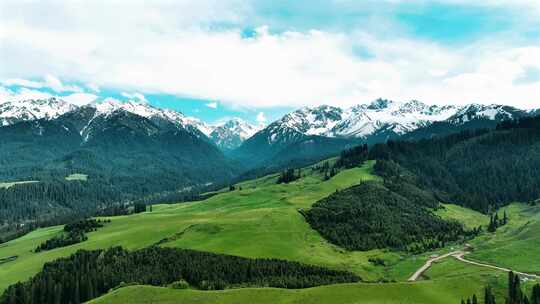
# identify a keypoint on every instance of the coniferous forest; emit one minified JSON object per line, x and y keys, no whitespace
{"x":73,"y":233}
{"x":515,"y":293}
{"x":482,"y":170}
{"x":371,"y":215}
{"x":88,"y":274}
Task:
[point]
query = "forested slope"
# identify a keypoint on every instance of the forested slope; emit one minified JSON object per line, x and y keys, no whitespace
{"x":481,"y":170}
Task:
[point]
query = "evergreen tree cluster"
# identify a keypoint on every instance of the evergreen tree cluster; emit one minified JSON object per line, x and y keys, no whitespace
{"x":495,"y":222}
{"x":53,"y":202}
{"x":289,"y":175}
{"x":139,"y":207}
{"x":372,"y":215}
{"x":326,"y":169}
{"x":353,"y":157}
{"x":515,"y":293}
{"x":73,"y":233}
{"x":482,"y":170}
{"x":88,"y":274}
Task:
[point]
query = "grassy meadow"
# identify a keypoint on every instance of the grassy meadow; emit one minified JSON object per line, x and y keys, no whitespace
{"x":447,"y":291}
{"x":7,"y":185}
{"x":262,"y":220}
{"x":515,"y":245}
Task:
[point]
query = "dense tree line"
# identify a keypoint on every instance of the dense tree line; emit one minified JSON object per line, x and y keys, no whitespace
{"x":515,"y":293}
{"x":127,"y":158}
{"x":89,"y":274}
{"x":374,"y":215}
{"x":49,"y":201}
{"x":482,"y":169}
{"x":289,"y":175}
{"x":495,"y":222}
{"x":73,"y":233}
{"x":353,"y":157}
{"x":348,"y":158}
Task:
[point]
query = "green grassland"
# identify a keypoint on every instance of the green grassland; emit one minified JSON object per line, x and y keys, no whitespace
{"x":470,"y":218}
{"x":262,"y":220}
{"x":77,"y":177}
{"x":7,"y":185}
{"x":515,"y":245}
{"x":427,"y":292}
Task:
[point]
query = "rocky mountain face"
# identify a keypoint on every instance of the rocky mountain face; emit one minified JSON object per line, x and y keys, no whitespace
{"x":123,"y":142}
{"x":386,"y":116}
{"x":227,"y":136}
{"x":375,"y":122}
{"x":232,"y":133}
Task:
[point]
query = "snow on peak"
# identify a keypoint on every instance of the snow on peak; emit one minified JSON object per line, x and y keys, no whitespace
{"x":398,"y":117}
{"x":491,"y":112}
{"x":13,"y":111}
{"x":381,"y":115}
{"x":313,"y":121}
{"x":146,"y":110}
{"x":231,"y":133}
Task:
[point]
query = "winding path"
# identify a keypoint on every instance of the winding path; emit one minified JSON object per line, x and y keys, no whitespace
{"x":459,"y":255}
{"x":428,"y":264}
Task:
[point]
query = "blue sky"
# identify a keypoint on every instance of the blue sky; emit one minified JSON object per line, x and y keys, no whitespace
{"x":217,"y":59}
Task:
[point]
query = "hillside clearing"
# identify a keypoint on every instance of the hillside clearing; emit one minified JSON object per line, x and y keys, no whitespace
{"x":7,"y":185}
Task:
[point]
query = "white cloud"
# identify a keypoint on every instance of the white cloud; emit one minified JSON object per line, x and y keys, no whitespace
{"x":93,"y":87}
{"x":136,"y":96}
{"x":5,"y":94}
{"x":80,"y":99}
{"x":57,"y":85}
{"x":261,"y":119}
{"x":24,"y":93}
{"x":212,"y":105}
{"x":22,"y":83}
{"x":49,"y":81}
{"x":174,"y":52}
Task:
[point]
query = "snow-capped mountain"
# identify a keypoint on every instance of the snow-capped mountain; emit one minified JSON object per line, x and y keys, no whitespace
{"x":491,"y":112}
{"x":359,"y":121}
{"x":14,"y":111}
{"x":33,"y":109}
{"x":232,"y":133}
{"x":157,"y":115}
{"x":364,"y":120}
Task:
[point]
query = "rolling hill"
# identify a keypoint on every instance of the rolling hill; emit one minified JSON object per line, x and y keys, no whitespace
{"x":235,"y":222}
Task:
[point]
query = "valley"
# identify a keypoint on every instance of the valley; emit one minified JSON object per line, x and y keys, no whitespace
{"x":262,"y":220}
{"x":396,"y":217}
{"x":272,"y":152}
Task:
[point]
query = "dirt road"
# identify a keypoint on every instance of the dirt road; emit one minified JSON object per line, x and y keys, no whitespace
{"x":459,"y":255}
{"x":428,"y":264}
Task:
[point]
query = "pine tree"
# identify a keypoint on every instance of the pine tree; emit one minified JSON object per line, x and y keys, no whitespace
{"x":515,"y":295}
{"x":489,"y":298}
{"x":535,"y":297}
{"x":492,"y":226}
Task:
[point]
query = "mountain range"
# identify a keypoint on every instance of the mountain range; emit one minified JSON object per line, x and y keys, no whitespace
{"x":132,"y":150}
{"x":325,"y":130}
{"x":311,"y":132}
{"x":227,"y":135}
